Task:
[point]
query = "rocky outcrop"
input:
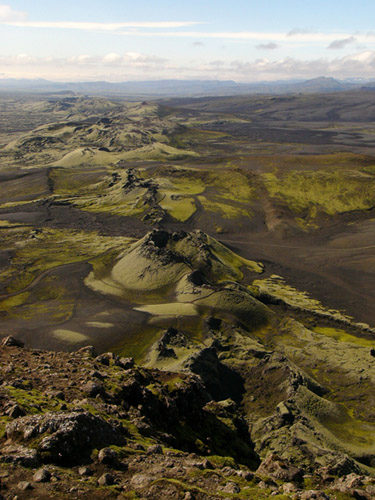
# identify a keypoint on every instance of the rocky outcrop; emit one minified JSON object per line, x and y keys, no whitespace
{"x":65,"y":437}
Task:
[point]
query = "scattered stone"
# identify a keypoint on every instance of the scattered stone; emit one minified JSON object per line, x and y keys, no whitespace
{"x":19,"y":455}
{"x":106,"y":480}
{"x":24,"y":486}
{"x":141,"y":480}
{"x":154,"y":449}
{"x":106,"y":358}
{"x":69,"y":436}
{"x":289,"y":488}
{"x":231,"y":487}
{"x":126,"y":363}
{"x":15,"y":411}
{"x":207,"y":464}
{"x":107,"y":456}
{"x":85,"y":471}
{"x":248,"y":476}
{"x":42,"y":476}
{"x":12,"y":342}
{"x":279,"y":469}
{"x":314,"y":495}
{"x":189,"y":496}
{"x":87,"y":350}
{"x":92,"y":389}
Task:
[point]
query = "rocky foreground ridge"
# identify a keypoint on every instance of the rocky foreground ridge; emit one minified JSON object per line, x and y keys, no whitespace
{"x":78,"y":425}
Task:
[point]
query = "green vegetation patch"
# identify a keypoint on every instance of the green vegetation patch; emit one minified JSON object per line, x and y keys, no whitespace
{"x":179,"y":207}
{"x":51,"y":248}
{"x":225,"y":210}
{"x":332,"y":192}
{"x":343,"y":336}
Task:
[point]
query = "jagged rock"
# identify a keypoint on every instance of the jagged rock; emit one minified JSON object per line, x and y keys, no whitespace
{"x":24,"y":486}
{"x":248,"y":476}
{"x":19,"y":455}
{"x":154,"y":449}
{"x":87,"y":350}
{"x":85,"y":471}
{"x":107,"y":456}
{"x":314,"y":494}
{"x":15,"y":411}
{"x":56,"y":394}
{"x":42,"y":476}
{"x":284,"y":412}
{"x":126,"y":363}
{"x":173,"y":337}
{"x":92,"y":389}
{"x":106,"y":480}
{"x":231,"y":487}
{"x":106,"y":358}
{"x":70,"y":436}
{"x":288,"y":488}
{"x":12,"y":342}
{"x":341,"y":466}
{"x":207,"y":464}
{"x":141,"y":480}
{"x":279,"y":469}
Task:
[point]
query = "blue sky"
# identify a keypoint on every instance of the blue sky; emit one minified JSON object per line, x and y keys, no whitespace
{"x":156,"y":39}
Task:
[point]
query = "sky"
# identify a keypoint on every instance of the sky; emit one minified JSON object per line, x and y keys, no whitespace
{"x":240,"y":40}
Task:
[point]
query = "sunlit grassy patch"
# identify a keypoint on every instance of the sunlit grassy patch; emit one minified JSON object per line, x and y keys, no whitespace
{"x":50,"y":248}
{"x":343,"y":336}
{"x":69,"y":336}
{"x":225,"y":210}
{"x":179,"y":207}
{"x":330,"y":191}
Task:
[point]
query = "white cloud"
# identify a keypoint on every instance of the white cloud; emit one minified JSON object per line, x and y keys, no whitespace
{"x":7,"y":14}
{"x":88,"y":26}
{"x":267,"y":46}
{"x":136,"y":66}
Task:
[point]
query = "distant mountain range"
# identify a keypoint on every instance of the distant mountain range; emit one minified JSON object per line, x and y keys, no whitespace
{"x":191,"y":88}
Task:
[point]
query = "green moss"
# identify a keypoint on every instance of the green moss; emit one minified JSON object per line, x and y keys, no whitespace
{"x":333,"y":191}
{"x":8,"y":304}
{"x":225,"y":210}
{"x":32,"y":400}
{"x":343,"y":336}
{"x":179,"y":207}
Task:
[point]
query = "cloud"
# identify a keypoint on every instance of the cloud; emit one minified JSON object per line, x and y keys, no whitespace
{"x":267,"y":46}
{"x":341,"y":44}
{"x":90,"y":26}
{"x":137,"y":66}
{"x":7,"y":14}
{"x":298,"y":31}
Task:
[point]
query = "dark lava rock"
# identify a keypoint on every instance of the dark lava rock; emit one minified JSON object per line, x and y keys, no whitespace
{"x":159,"y":238}
{"x":106,"y":480}
{"x":88,"y":350}
{"x":24,"y":486}
{"x":107,"y":456}
{"x":279,"y":469}
{"x":154,"y":449}
{"x":15,"y":411}
{"x":19,"y":455}
{"x":70,"y":436}
{"x":85,"y":471}
{"x":42,"y":476}
{"x":126,"y":363}
{"x":92,"y":389}
{"x":12,"y":342}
